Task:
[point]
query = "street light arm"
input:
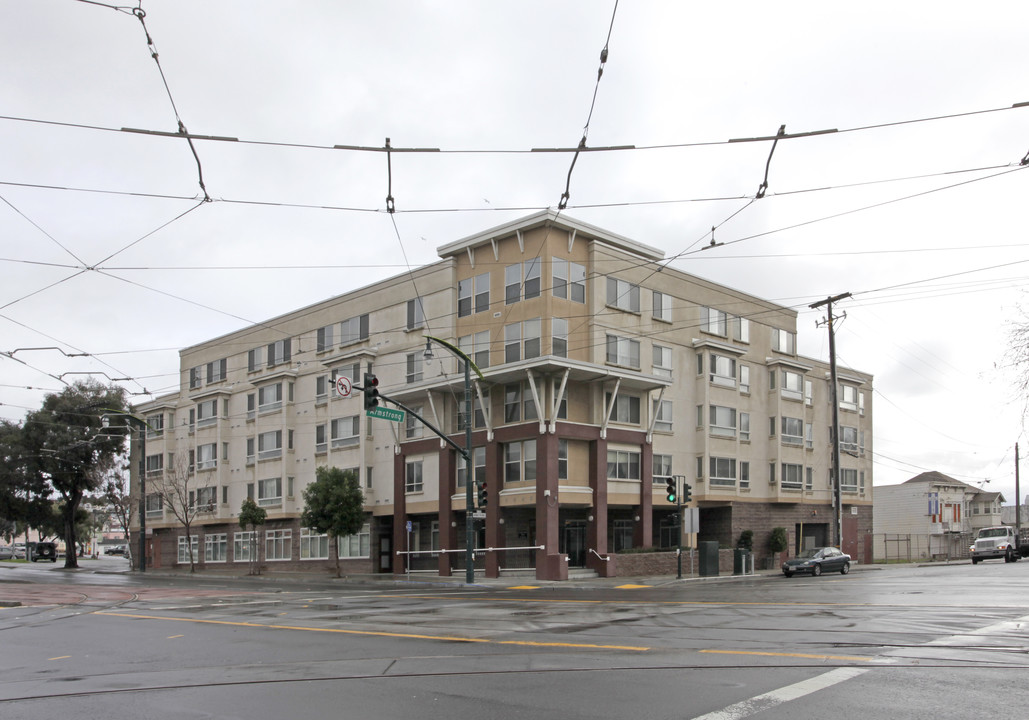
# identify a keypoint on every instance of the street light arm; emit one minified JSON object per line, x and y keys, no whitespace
{"x":460,"y":353}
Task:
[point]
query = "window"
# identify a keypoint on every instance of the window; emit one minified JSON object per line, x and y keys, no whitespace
{"x":346,"y":431}
{"x":623,"y":295}
{"x":216,"y":371}
{"x":518,"y":286}
{"x":473,"y":290}
{"x":663,"y":413}
{"x":414,"y":367}
{"x":848,"y":480}
{"x":355,"y":329}
{"x":320,"y":443}
{"x":357,"y":545}
{"x":662,"y":469}
{"x":326,"y":338}
{"x":321,"y":388}
{"x":784,"y":341}
{"x":723,"y":421}
{"x":723,"y":471}
{"x":413,"y":426}
{"x":569,"y":280}
{"x":745,"y":427}
{"x":242,"y":542}
{"x":185,"y":546}
{"x":849,"y":439}
{"x":623,"y":465}
{"x":626,"y":409}
{"x":792,"y":431}
{"x":744,"y":474}
{"x":196,"y":380}
{"x":478,"y":467}
{"x":621,"y":535}
{"x":350,"y":370}
{"x":808,"y":393}
{"x":255,"y":359}
{"x":809,"y":436}
{"x":482,"y":293}
{"x":662,"y":306}
{"x":154,"y":464}
{"x":278,"y":352}
{"x":848,"y":397}
{"x":792,"y":476}
{"x":809,"y":478}
{"x":559,"y":337}
{"x":520,"y":461}
{"x":269,"y":397}
{"x":723,"y":370}
{"x":480,"y":416}
{"x":269,"y":491}
{"x":207,"y":413}
{"x":413,"y":477}
{"x":512,"y":403}
{"x":313,"y":545}
{"x":269,"y":445}
{"x":662,"y":361}
{"x":623,"y":351}
{"x":415,"y":314}
{"x":154,"y":425}
{"x":519,"y":337}
{"x":206,"y":498}
{"x":713,"y":321}
{"x":207,"y":456}
{"x":744,"y":378}
{"x":476,"y":347}
{"x":562,"y":459}
{"x":278,"y":544}
{"x":216,"y":548}
{"x":741,"y":329}
{"x":792,"y":385}
{"x":154,"y":505}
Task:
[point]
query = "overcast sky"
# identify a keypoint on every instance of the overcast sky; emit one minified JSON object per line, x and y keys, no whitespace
{"x":915,"y":206}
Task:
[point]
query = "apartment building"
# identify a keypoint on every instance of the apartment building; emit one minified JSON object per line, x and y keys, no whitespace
{"x":602,"y":373}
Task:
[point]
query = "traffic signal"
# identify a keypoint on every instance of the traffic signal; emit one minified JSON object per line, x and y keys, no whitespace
{"x":670,"y":497}
{"x":371,"y":391}
{"x":686,"y":496}
{"x":483,"y":495}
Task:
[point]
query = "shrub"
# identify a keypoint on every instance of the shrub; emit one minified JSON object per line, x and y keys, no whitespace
{"x":746,"y":540}
{"x":777,"y":542}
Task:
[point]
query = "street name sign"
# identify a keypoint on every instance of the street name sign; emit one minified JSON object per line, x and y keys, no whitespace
{"x":385,"y":413}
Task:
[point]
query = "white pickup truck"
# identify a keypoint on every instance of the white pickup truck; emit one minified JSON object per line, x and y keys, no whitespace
{"x":1000,"y":541}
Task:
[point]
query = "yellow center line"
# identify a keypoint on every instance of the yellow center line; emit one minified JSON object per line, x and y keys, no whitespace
{"x":382,"y":633}
{"x":851,"y":658}
{"x":61,"y":657}
{"x":175,"y":637}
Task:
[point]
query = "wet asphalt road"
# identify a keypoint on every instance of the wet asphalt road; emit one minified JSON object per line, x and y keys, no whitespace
{"x":948,"y":641}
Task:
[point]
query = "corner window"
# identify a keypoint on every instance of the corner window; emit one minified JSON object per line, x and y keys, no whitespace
{"x":354,"y":330}
{"x":784,"y":341}
{"x":713,"y":321}
{"x":623,"y":351}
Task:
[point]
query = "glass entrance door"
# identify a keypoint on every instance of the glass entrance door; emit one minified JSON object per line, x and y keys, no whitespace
{"x":574,"y":542}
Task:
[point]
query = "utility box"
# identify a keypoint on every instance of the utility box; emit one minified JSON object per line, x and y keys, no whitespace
{"x":740,"y":560}
{"x":708,"y":551}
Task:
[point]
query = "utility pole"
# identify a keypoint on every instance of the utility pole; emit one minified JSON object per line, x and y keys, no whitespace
{"x":837,"y":498}
{"x":1018,"y":500}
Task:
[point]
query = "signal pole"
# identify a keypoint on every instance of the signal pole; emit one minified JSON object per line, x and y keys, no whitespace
{"x":837,"y":498}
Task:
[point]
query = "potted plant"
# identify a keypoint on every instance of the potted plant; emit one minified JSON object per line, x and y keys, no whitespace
{"x":777,"y":543}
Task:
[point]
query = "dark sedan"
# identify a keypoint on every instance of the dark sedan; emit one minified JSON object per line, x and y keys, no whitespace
{"x":816,"y":561}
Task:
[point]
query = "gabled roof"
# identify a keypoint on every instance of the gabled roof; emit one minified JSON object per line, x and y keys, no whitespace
{"x":933,"y":476}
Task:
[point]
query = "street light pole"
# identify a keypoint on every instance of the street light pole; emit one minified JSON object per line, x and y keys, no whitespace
{"x":469,"y":504}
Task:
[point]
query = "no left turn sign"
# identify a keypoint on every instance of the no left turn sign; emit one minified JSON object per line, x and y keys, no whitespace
{"x":343,"y":386}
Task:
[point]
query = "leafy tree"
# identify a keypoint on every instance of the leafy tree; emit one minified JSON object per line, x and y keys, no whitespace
{"x":746,"y":540}
{"x":23,"y":496}
{"x":178,"y":490}
{"x":251,"y":514}
{"x":777,"y":542}
{"x":67,"y":447}
{"x":334,"y":504}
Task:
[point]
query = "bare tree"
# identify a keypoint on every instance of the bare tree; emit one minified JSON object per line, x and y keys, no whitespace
{"x":1018,"y":347}
{"x":116,"y":494}
{"x":183,"y":493}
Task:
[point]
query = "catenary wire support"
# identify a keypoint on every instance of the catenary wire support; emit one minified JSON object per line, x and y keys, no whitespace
{"x":764,"y":183}
{"x":140,"y":14}
{"x":390,"y":206}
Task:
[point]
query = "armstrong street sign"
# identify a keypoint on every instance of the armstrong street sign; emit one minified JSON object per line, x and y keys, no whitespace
{"x":386,"y":413}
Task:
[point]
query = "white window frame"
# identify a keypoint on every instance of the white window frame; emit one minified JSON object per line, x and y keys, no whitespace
{"x":269,"y":445}
{"x":216,"y":548}
{"x":623,"y":351}
{"x":278,"y":545}
{"x":183,"y":549}
{"x":269,"y":491}
{"x":713,"y":321}
{"x":414,"y":477}
{"x":313,"y":545}
{"x":662,"y":306}
{"x":722,"y":421}
{"x":722,"y":471}
{"x":623,"y":295}
{"x":662,"y":361}
{"x":663,"y":415}
{"x":723,"y":370}
{"x":241,"y":544}
{"x":346,"y":431}
{"x":357,"y":545}
{"x":266,"y":403}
